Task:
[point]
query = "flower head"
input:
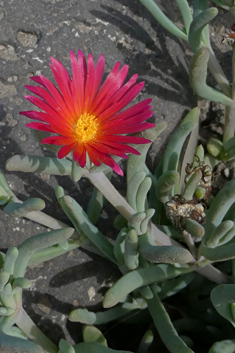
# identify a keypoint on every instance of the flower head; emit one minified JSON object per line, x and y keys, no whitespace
{"x":87,"y":116}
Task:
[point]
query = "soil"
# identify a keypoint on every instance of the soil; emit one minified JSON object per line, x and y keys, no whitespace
{"x":123,"y":30}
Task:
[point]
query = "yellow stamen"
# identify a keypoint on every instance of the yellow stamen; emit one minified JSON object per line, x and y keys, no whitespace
{"x":86,"y":127}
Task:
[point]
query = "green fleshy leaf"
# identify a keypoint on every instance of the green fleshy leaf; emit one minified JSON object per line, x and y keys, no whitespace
{"x":3,"y":311}
{"x":219,"y":253}
{"x":186,"y":13}
{"x":89,"y":318}
{"x":142,"y":194}
{"x":65,"y":347}
{"x":221,"y":4}
{"x":200,"y":192}
{"x":94,"y":347}
{"x":165,"y":184}
{"x":132,"y":188}
{"x":194,"y":228}
{"x":37,"y":242}
{"x":146,"y":292}
{"x":228,"y":150}
{"x":64,"y":244}
{"x":77,"y":171}
{"x":139,"y":278}
{"x":131,"y":254}
{"x":197,"y":26}
{"x":21,"y":282}
{"x":146,"y":341}
{"x":173,"y":286}
{"x":173,"y":161}
{"x":17,"y":345}
{"x":211,"y":161}
{"x":93,"y":334}
{"x":214,"y":146}
{"x":163,"y":254}
{"x":219,"y":207}
{"x":191,"y":185}
{"x":10,"y":258}
{"x":4,"y":277}
{"x":81,"y":222}
{"x":163,"y":19}
{"x":197,"y":78}
{"x":165,"y":327}
{"x":199,"y":152}
{"x":5,"y":186}
{"x":120,"y":222}
{"x":18,"y":210}
{"x":135,"y":222}
{"x":46,"y":165}
{"x":139,"y":221}
{"x":136,"y":163}
{"x":119,"y":246}
{"x":16,"y":332}
{"x":226,"y":346}
{"x":222,"y":297}
{"x":53,"y":251}
{"x":177,"y":139}
{"x":218,"y":237}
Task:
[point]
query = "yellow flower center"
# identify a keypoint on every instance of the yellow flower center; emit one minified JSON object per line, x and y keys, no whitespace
{"x":86,"y":127}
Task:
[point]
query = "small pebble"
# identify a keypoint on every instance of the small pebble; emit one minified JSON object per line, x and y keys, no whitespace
{"x":226,"y":172}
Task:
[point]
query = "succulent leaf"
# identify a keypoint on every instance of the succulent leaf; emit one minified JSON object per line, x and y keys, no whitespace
{"x":136,"y":163}
{"x":222,"y":297}
{"x":197,"y":78}
{"x":46,"y":165}
{"x":18,"y":210}
{"x":139,"y":278}
{"x":131,"y":254}
{"x":93,"y":334}
{"x":197,"y":26}
{"x":65,"y":347}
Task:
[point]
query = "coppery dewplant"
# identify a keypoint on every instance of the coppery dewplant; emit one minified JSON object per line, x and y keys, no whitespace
{"x":173,"y":235}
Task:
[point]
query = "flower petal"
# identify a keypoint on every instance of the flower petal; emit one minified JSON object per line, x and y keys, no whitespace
{"x":32,"y":114}
{"x":39,"y":126}
{"x":79,"y":154}
{"x":64,"y":151}
{"x":57,"y":140}
{"x":96,"y":155}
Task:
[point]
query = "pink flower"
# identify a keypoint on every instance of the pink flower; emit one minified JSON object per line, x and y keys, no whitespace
{"x":87,"y":117}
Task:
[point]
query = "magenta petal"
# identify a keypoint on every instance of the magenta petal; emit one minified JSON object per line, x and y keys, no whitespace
{"x":39,"y":126}
{"x":96,"y":155}
{"x":57,"y":140}
{"x":79,"y":154}
{"x":106,"y":148}
{"x":64,"y":151}
{"x":32,"y":114}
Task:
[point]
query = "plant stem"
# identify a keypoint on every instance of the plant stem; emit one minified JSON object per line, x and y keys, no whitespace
{"x":189,"y":241}
{"x":102,"y":183}
{"x":210,"y":272}
{"x":46,"y":220}
{"x":24,"y":322}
